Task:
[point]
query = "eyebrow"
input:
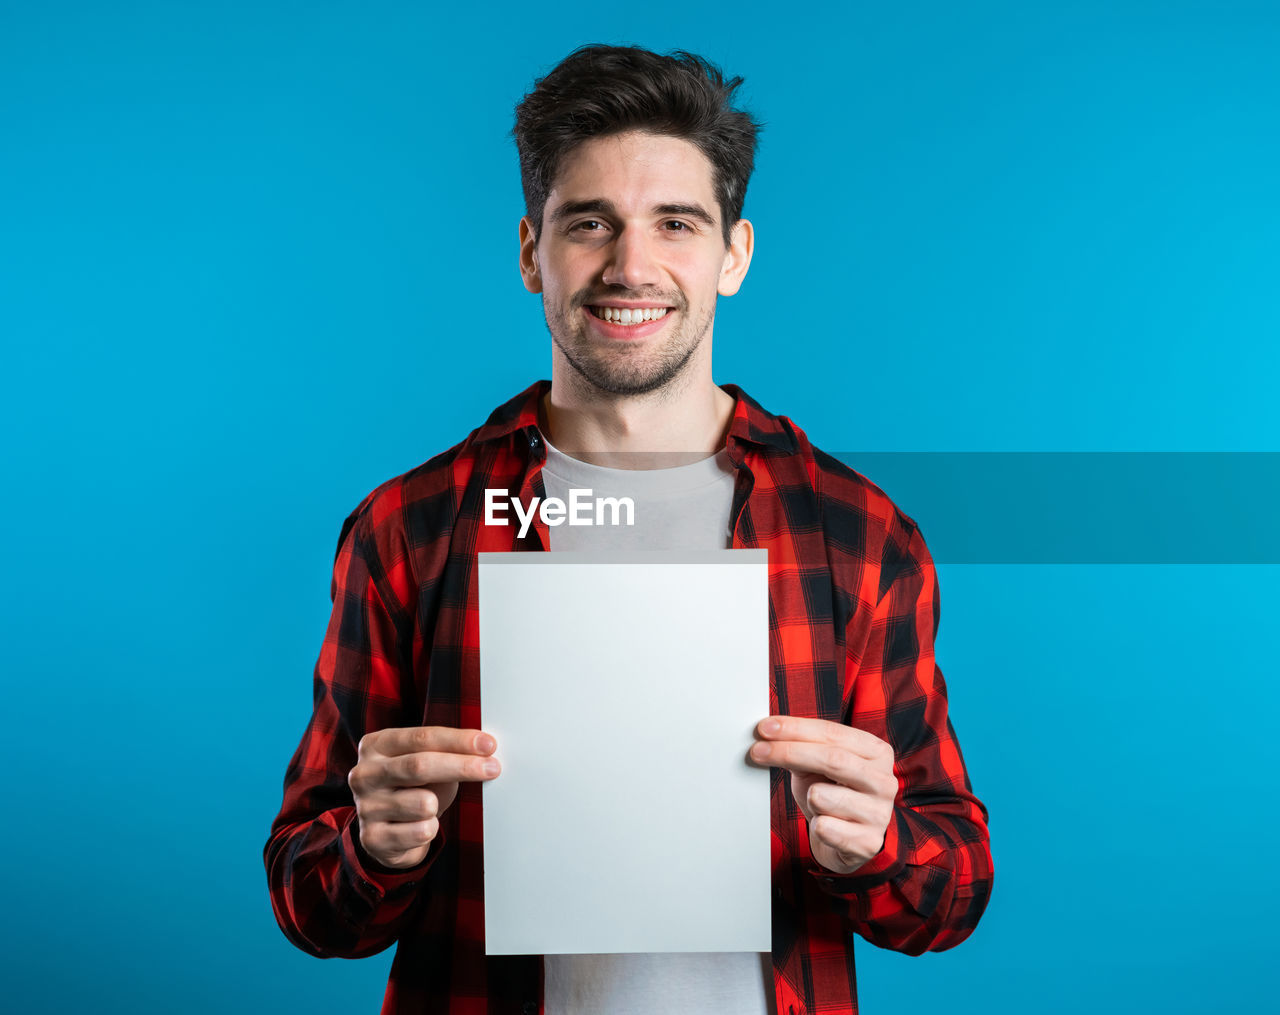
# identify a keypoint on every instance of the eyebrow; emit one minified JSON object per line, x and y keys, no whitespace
{"x":600,"y":206}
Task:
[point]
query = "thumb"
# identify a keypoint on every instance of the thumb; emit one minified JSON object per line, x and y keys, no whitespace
{"x":800,"y":784}
{"x":445,"y":793}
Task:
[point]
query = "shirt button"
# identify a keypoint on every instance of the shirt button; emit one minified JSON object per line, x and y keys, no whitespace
{"x":534,"y":440}
{"x":529,"y":1008}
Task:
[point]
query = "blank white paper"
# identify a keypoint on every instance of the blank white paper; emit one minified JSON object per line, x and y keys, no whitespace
{"x":623,"y":689}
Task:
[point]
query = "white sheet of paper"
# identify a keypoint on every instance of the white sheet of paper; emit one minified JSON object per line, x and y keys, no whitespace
{"x":623,"y":689}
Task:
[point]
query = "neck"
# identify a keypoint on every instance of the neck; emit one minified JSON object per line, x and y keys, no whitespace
{"x":675,"y":425}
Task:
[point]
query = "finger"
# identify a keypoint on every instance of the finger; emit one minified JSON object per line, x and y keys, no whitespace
{"x":400,"y":805}
{"x":854,"y":843}
{"x":822,"y":731}
{"x":835,"y":763}
{"x":800,"y":783}
{"x":420,"y":739}
{"x":398,"y":836}
{"x":424,"y":769}
{"x":842,"y":802}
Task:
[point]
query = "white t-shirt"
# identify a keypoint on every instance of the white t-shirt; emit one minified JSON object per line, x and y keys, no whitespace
{"x":685,"y":507}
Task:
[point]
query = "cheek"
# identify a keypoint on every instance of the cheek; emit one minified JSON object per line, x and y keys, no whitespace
{"x":698,"y":273}
{"x":554,"y":287}
{"x":700,"y":287}
{"x":561,"y":279}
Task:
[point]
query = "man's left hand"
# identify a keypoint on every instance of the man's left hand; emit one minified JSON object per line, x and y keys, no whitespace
{"x":842,"y":779}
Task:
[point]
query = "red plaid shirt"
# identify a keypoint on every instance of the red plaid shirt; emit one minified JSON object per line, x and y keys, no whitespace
{"x":853,"y":609}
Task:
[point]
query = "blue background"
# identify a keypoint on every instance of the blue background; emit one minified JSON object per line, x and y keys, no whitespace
{"x":257,"y":258}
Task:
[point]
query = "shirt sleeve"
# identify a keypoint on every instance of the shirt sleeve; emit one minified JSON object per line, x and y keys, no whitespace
{"x":329,"y":897}
{"x":929,"y":885}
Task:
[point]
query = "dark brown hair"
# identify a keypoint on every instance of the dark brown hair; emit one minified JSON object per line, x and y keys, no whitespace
{"x":599,"y":90}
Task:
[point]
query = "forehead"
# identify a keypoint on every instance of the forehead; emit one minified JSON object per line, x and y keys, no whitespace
{"x":635,"y":170}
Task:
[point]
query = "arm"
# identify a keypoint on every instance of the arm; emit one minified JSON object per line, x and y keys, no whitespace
{"x":329,"y":896}
{"x":930,"y":883}
{"x":895,"y":830}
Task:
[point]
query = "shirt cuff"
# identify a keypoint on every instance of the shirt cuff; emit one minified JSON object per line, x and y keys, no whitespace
{"x":376,"y":880}
{"x":882,"y":867}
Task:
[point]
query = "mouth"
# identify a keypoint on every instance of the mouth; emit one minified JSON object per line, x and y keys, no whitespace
{"x":628,"y":316}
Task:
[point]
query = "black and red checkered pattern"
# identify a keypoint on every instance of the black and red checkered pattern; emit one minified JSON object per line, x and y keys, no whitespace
{"x":853,"y":611}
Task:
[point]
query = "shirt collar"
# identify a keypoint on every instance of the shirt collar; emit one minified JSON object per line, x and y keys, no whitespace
{"x":751,"y":424}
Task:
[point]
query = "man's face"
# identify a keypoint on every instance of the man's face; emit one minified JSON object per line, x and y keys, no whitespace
{"x":631,"y":233}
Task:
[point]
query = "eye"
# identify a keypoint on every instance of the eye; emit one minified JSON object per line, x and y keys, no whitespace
{"x":589,"y":226}
{"x":676,"y":226}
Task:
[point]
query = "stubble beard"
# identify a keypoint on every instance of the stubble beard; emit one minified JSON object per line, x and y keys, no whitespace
{"x":624,"y":369}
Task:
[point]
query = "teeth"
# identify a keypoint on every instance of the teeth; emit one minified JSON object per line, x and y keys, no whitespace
{"x":625,"y":315}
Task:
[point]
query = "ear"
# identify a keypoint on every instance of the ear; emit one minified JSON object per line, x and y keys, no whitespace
{"x":737,"y":258}
{"x":529,"y":273}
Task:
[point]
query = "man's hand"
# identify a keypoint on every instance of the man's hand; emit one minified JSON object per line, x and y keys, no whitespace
{"x":842,"y":779}
{"x":405,"y":779}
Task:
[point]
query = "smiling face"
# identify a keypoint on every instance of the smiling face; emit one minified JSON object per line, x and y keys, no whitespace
{"x":630,"y":260}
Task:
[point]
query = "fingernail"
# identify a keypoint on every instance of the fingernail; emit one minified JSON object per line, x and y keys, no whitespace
{"x":490,"y":768}
{"x":771,"y":726}
{"x":760,"y":751}
{"x":484,"y":743}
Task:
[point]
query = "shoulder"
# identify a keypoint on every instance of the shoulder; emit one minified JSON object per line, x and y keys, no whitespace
{"x":421,"y":498}
{"x":870,"y":541}
{"x":862,"y":519}
{"x":848,"y":498}
{"x":419,"y":507}
{"x":841,"y":488}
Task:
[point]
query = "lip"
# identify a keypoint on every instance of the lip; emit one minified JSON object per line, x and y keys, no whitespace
{"x":628,"y":332}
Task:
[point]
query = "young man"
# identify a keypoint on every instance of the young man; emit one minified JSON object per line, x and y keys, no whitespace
{"x":635,"y":168}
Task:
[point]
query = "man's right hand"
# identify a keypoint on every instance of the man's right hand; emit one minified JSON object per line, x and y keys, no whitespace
{"x":405,"y":779}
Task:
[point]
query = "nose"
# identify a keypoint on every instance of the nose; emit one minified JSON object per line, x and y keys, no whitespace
{"x":631,"y":262}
